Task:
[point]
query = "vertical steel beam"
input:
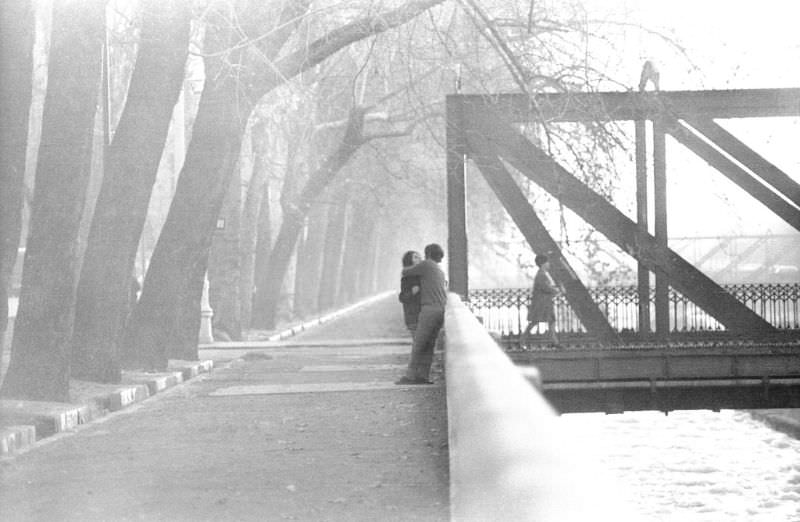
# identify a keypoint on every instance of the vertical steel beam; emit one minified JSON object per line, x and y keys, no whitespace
{"x":457,"y":253}
{"x":661,"y":233}
{"x":643,"y":274}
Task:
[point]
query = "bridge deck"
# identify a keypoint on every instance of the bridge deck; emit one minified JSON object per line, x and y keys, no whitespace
{"x":687,"y":375}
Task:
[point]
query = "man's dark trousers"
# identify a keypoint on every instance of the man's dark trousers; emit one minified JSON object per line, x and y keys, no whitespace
{"x":431,"y":319}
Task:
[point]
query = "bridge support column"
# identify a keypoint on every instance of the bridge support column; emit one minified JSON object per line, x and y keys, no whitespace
{"x":457,"y":253}
{"x":661,"y":236}
{"x":643,"y":274}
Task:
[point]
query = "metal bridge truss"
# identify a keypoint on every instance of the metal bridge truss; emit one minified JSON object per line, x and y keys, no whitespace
{"x":482,"y":128}
{"x":486,"y":130}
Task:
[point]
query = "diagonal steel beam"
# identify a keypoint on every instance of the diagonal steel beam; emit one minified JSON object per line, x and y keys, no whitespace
{"x":487,"y":133}
{"x":540,"y":240}
{"x":734,"y":172}
{"x":725,"y":241}
{"x":741,"y":257}
{"x":760,"y":166}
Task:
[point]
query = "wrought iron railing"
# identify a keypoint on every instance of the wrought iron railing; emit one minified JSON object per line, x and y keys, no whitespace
{"x":504,"y":310}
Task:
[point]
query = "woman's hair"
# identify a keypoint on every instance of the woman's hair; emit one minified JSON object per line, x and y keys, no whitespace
{"x":408,"y":258}
{"x":540,"y":259}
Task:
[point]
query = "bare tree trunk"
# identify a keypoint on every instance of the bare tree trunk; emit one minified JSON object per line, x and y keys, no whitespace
{"x":301,"y":263}
{"x":288,"y":193}
{"x":163,"y":323}
{"x":367,"y":275}
{"x":224,"y":268}
{"x":268,"y":290}
{"x":181,"y":246}
{"x":261,"y":259}
{"x":334,"y":247}
{"x":295,"y":213}
{"x":356,"y":254}
{"x":104,"y":290}
{"x":377,"y":246}
{"x":257,"y":192}
{"x":309,"y":264}
{"x":17,"y":31}
{"x":40,"y":361}
{"x":388,"y":271}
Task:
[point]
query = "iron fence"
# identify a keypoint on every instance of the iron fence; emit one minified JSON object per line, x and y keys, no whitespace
{"x":504,"y":310}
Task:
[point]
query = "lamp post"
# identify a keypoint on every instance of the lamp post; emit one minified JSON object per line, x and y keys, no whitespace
{"x":206,"y":313}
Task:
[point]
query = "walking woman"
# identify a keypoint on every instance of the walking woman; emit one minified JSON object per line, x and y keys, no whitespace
{"x":541,"y":309}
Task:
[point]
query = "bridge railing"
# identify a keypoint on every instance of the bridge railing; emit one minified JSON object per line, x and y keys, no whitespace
{"x":504,"y":310}
{"x":510,"y":459}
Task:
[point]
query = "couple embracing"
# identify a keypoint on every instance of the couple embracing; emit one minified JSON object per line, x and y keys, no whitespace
{"x":423,"y":292}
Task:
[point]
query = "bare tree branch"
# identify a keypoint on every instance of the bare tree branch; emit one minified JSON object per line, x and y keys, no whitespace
{"x":304,"y":59}
{"x":505,"y":53}
{"x":405,"y":131}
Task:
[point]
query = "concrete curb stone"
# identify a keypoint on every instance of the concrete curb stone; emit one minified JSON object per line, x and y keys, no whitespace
{"x":190,"y":369}
{"x":155,"y":382}
{"x":36,"y":422}
{"x":48,"y":418}
{"x":22,"y":423}
{"x":14,"y":438}
{"x":126,"y":396}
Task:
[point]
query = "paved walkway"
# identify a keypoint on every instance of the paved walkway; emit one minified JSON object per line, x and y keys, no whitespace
{"x":312,"y":428}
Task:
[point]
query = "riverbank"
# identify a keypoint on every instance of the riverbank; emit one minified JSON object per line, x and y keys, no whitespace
{"x":784,"y":420}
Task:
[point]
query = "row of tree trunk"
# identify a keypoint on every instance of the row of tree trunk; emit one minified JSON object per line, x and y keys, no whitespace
{"x":75,"y":315}
{"x":331,"y":264}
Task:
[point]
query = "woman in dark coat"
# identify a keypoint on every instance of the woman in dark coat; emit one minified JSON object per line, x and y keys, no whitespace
{"x":409,"y":292}
{"x":541,"y":309}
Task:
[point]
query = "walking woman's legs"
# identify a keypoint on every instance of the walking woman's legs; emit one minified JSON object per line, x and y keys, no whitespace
{"x":551,"y":328}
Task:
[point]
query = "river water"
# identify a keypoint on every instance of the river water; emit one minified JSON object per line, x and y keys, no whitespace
{"x":697,"y":466}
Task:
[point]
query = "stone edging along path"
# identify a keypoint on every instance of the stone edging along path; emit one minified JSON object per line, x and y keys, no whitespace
{"x":22,"y":423}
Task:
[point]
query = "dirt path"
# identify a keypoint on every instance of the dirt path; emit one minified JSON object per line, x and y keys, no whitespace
{"x":309,"y":433}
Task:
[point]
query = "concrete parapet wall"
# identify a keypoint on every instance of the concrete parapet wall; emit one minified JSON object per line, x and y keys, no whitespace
{"x":510,"y":459}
